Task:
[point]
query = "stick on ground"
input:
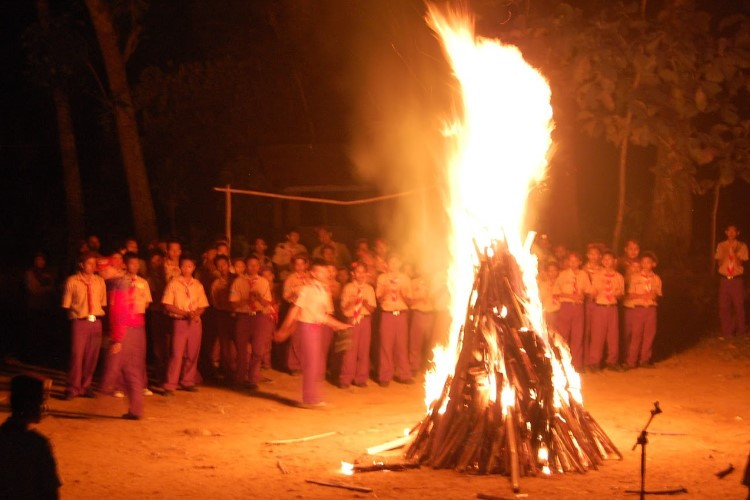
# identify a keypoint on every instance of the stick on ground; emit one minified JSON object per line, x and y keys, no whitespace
{"x":360,"y":489}
{"x":302,"y":439}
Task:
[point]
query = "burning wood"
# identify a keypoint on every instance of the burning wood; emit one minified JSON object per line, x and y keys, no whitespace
{"x":509,"y":407}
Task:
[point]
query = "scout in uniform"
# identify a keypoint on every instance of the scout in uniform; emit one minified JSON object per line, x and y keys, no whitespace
{"x":224,"y":317}
{"x":592,"y":267}
{"x":607,"y":287}
{"x":210,"y":349}
{"x":290,"y":292}
{"x":273,"y":311}
{"x":393,"y":292}
{"x":342,"y":257}
{"x":284,"y":253}
{"x":84,"y":297}
{"x":251,"y":298}
{"x":172,"y":261}
{"x":640,"y":311}
{"x":422,"y":319}
{"x":128,"y":299}
{"x":259,"y":252}
{"x":160,"y":324}
{"x":185,"y":300}
{"x":630,"y":261}
{"x":311,"y":311}
{"x":357,"y":305}
{"x":550,"y":303}
{"x":730,"y":254}
{"x":570,"y":289}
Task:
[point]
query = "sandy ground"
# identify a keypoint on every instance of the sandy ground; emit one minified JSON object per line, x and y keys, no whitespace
{"x":212,"y":444}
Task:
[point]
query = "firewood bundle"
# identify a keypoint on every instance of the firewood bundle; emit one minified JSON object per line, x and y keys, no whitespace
{"x":509,"y":407}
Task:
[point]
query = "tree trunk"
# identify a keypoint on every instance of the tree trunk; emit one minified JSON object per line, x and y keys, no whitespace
{"x":141,"y":202}
{"x":714,"y":216}
{"x":74,"y":210}
{"x":672,"y":208}
{"x":622,"y":181}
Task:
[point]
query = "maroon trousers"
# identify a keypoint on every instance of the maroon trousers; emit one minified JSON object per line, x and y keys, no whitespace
{"x":641,"y":325}
{"x":570,"y":321}
{"x":225,"y":332}
{"x":251,"y":331}
{"x":355,"y":364}
{"x":186,"y":347}
{"x":130,"y":364}
{"x":604,"y":330}
{"x":420,"y":332}
{"x":394,"y":335}
{"x":312,"y":361}
{"x":86,"y":340}
{"x":294,"y":352}
{"x":161,"y":338}
{"x":732,"y":306}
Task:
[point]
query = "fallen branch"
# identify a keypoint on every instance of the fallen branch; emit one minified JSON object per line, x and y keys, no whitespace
{"x":390,"y":445}
{"x":378,"y":467}
{"x":302,"y":439}
{"x":282,"y":467}
{"x":486,"y":496}
{"x":676,"y":491}
{"x":361,"y":489}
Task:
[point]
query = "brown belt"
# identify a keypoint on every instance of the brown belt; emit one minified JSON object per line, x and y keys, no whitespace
{"x":395,"y":313}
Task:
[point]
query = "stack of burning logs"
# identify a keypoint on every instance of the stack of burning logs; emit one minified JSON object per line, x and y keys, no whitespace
{"x":510,"y":407}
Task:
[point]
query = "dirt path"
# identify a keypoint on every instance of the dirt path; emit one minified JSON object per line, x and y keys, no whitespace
{"x":211,"y":444}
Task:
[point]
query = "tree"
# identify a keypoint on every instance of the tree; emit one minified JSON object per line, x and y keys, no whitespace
{"x":141,"y":202}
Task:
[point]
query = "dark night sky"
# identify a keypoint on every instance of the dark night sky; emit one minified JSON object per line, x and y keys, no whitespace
{"x":182,"y":31}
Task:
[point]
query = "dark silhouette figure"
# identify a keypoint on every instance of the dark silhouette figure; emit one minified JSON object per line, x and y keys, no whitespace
{"x":27,"y":466}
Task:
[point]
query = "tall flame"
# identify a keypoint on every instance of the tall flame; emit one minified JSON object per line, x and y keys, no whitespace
{"x":499,"y":143}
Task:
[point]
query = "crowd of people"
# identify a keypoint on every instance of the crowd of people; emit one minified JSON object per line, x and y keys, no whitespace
{"x":224,"y":318}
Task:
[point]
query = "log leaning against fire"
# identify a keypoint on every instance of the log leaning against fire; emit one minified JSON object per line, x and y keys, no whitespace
{"x":500,"y":411}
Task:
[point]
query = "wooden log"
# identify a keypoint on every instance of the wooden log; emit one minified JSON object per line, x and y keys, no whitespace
{"x":302,"y":439}
{"x":390,"y":445}
{"x":361,"y":489}
{"x":396,"y":467}
{"x":513,"y":450}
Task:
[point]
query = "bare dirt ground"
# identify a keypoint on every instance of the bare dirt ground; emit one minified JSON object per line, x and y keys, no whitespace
{"x":211,"y":444}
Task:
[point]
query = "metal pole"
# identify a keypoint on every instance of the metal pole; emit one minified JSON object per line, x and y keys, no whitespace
{"x":228,"y":215}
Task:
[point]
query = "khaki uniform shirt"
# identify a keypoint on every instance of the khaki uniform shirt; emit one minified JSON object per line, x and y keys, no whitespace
{"x":293,"y":284}
{"x":220,"y":294}
{"x":421,"y":296}
{"x":315,"y":303}
{"x":731,"y":258}
{"x":341,"y":255}
{"x":171,"y":270}
{"x":393,"y":290}
{"x":639,"y":283}
{"x":185,"y":295}
{"x":76,"y":300}
{"x":349,"y":298}
{"x":550,"y":303}
{"x":283,"y":253}
{"x":607,"y":287}
{"x":244,"y":291}
{"x":571,"y":282}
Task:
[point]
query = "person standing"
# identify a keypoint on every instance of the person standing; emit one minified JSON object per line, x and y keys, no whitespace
{"x":341,"y":257}
{"x":292,"y":286}
{"x":129,"y":297}
{"x":422,"y":319}
{"x":160,"y":324}
{"x":357,"y":305}
{"x":546,"y":283}
{"x":27,"y":464}
{"x":640,"y":303}
{"x":730,"y":255}
{"x":607,"y":287}
{"x":39,"y":284}
{"x":394,"y":292}
{"x":311,"y":311}
{"x":85,"y":297}
{"x":283,"y":254}
{"x":172,"y":261}
{"x":185,"y":301}
{"x":570,"y":288}
{"x":224,"y":317}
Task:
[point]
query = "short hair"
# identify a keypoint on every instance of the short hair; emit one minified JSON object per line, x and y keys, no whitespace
{"x":609,"y":252}
{"x":221,"y":244}
{"x":251,"y":257}
{"x":317,"y":262}
{"x":574,"y":254}
{"x":86,"y":256}
{"x":327,"y":247}
{"x":128,"y":256}
{"x":220,"y":257}
{"x":650,"y":255}
{"x":187,"y":256}
{"x":732,"y":224}
{"x":156,"y":252}
{"x":238,"y":258}
{"x":357,"y":264}
{"x":26,"y":394}
{"x":301,"y":256}
{"x":551,"y":263}
{"x":173,"y":241}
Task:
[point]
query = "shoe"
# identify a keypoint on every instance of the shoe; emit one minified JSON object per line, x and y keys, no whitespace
{"x":130,"y":416}
{"x":294,"y":373}
{"x":190,"y":388}
{"x":385,"y":383}
{"x":250,"y":387}
{"x":313,"y":406}
{"x":614,"y":368}
{"x":118,"y":394}
{"x":405,"y":381}
{"x":68,"y":396}
{"x":648,"y":364}
{"x":359,"y":384}
{"x":167,"y":393}
{"x":147,"y":392}
{"x":342,"y":385}
{"x":266,"y":380}
{"x":89,"y":394}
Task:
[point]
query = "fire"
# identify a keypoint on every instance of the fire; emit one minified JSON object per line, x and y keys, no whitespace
{"x":499,"y":145}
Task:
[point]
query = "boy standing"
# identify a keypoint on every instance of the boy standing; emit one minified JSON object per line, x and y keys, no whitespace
{"x":393,"y":292}
{"x":607,"y":287}
{"x":84,"y":297}
{"x":640,"y":311}
{"x":570,"y":288}
{"x":546,"y":283}
{"x":292,"y":286}
{"x":422,"y":319}
{"x":730,"y":254}
{"x":311,"y":311}
{"x":357,"y":304}
{"x":185,"y":300}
